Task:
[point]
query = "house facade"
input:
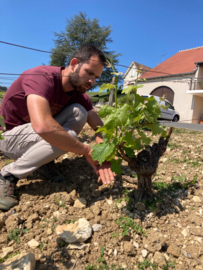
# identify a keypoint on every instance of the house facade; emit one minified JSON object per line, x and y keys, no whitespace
{"x":180,"y":79}
{"x":130,"y":75}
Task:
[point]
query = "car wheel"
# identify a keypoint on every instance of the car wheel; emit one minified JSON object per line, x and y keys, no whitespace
{"x":175,"y":118}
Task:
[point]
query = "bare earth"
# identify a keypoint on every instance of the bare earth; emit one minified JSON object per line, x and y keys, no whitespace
{"x":169,"y":232}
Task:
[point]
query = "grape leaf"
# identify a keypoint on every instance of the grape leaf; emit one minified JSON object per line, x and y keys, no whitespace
{"x":102,"y":151}
{"x":118,"y":118}
{"x":128,"y":89}
{"x":129,"y":152}
{"x":106,"y":110}
{"x":105,"y":86}
{"x":116,"y":166}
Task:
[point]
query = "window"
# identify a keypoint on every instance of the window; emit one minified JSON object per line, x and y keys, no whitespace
{"x":133,"y":71}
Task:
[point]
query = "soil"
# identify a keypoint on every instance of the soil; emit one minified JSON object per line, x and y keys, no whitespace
{"x":169,"y":232}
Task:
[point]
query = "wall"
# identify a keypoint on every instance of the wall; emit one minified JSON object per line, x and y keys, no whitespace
{"x":180,"y":85}
{"x":128,"y":77}
{"x":198,"y":109}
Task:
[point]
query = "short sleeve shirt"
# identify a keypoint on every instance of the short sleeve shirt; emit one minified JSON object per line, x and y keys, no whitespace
{"x":44,"y":81}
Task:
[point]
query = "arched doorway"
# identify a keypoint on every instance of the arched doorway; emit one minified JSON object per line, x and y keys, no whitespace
{"x":164,"y":90}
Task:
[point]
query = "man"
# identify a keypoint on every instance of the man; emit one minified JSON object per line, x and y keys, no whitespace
{"x":44,"y":110}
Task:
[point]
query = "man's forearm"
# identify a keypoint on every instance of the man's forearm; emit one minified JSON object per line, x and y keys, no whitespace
{"x":57,"y":136}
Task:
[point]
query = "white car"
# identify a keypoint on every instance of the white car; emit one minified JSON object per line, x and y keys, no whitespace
{"x":169,"y":114}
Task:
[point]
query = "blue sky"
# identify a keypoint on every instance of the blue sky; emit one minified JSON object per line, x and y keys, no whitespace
{"x":142,"y":31}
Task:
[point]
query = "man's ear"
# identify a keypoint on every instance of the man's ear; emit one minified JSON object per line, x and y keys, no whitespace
{"x":74,"y":63}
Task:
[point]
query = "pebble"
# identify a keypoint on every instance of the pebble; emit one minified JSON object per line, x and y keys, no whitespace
{"x":144,"y":253}
{"x":115,"y":252}
{"x":33,"y":244}
{"x":80,"y":203}
{"x":96,"y":227}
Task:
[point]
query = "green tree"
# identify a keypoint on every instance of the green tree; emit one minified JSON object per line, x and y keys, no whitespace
{"x":81,"y":30}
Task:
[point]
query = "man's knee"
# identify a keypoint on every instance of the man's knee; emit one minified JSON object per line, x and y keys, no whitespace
{"x":80,"y":114}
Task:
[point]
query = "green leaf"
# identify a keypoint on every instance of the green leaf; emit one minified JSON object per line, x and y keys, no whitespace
{"x":102,"y":151}
{"x":116,"y":166}
{"x":129,"y":89}
{"x":106,"y":110}
{"x":129,"y":152}
{"x":119,"y":118}
{"x":105,"y":86}
{"x":145,"y":139}
{"x":2,"y":122}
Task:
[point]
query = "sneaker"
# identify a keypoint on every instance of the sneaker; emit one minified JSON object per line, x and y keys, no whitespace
{"x":7,"y":186}
{"x":51,"y":173}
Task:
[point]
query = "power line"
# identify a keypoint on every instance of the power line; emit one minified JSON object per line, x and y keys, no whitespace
{"x":38,"y":50}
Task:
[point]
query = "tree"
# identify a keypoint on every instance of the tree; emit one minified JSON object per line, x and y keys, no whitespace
{"x":81,"y":30}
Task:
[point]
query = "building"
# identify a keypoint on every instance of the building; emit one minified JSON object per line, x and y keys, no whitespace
{"x":180,"y":79}
{"x":130,"y":75}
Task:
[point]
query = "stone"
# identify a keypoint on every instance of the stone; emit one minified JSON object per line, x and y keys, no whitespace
{"x":174,"y":250}
{"x":128,"y":247}
{"x":154,"y":242}
{"x":185,"y":232}
{"x":32,"y":218}
{"x":140,"y":206}
{"x":80,"y":203}
{"x":56,"y":214}
{"x":20,"y":262}
{"x":49,"y":231}
{"x":78,"y":246}
{"x":12,"y":222}
{"x":3,"y":218}
{"x":33,"y":244}
{"x":196,"y":199}
{"x":144,"y":253}
{"x":96,"y":227}
{"x":95,"y":210}
{"x":115,"y":252}
{"x":96,"y":193}
{"x":6,"y":252}
{"x":110,"y":202}
{"x":80,"y":231}
{"x":159,"y":258}
{"x":136,"y":245}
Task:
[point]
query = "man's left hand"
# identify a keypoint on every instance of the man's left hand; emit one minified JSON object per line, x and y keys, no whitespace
{"x":106,"y":176}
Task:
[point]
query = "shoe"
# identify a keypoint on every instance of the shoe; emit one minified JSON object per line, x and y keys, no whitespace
{"x":7,"y":186}
{"x":51,"y":173}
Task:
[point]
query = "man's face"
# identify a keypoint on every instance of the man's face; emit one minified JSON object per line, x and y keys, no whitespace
{"x":86,"y":74}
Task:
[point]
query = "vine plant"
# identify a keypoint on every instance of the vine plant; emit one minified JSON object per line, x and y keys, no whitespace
{"x":125,"y":138}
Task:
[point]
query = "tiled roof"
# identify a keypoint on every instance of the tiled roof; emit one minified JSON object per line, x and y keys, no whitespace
{"x":181,"y":62}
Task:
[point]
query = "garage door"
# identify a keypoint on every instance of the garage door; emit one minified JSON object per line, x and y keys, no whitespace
{"x":163,"y":90}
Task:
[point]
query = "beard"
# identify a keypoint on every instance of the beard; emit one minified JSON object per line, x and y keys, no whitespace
{"x":77,"y":82}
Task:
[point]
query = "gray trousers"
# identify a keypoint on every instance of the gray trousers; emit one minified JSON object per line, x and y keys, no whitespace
{"x":30,"y":151}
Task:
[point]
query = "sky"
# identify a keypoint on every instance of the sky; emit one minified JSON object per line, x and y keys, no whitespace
{"x":146,"y":31}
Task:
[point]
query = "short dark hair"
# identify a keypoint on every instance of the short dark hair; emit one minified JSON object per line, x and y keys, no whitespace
{"x":85,"y":52}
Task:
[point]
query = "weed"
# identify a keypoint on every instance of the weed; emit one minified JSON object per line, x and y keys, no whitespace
{"x":127,"y":224}
{"x":169,"y":264}
{"x":71,"y":221}
{"x":175,"y":160}
{"x":14,"y":234}
{"x":191,"y":183}
{"x":8,"y":257}
{"x":103,"y":264}
{"x":126,"y":191}
{"x":145,"y":264}
{"x":8,"y":162}
{"x":181,"y":178}
{"x":115,"y":234}
{"x":63,"y":244}
{"x":174,"y":145}
{"x":40,"y":247}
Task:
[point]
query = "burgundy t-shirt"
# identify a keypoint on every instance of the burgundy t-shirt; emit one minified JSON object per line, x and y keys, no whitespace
{"x":44,"y":81}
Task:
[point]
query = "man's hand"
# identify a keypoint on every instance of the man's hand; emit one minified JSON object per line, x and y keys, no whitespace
{"x":106,"y":176}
